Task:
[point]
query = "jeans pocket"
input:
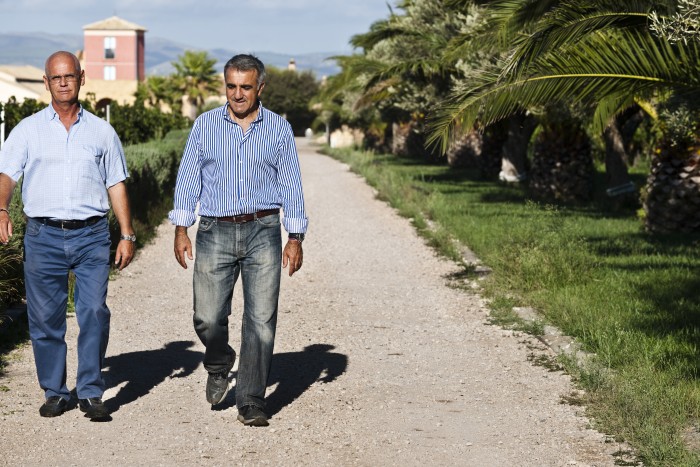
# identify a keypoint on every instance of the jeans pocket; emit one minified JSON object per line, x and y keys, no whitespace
{"x":32,"y":228}
{"x":205,"y":224}
{"x":269,"y":221}
{"x":100,"y":226}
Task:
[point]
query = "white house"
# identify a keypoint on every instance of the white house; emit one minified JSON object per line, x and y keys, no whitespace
{"x":22,"y":82}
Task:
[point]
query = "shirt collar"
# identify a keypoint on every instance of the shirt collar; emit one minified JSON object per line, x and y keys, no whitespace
{"x":52,"y":114}
{"x":258,"y":118}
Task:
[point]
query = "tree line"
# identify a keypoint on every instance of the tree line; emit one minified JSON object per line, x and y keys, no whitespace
{"x":537,"y":92}
{"x":287,"y":92}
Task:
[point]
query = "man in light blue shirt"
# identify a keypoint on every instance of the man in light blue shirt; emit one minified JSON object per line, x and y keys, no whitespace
{"x":73,"y":167}
{"x":240,"y":164}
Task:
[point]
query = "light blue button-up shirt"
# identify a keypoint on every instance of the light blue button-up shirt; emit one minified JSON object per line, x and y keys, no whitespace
{"x":66,"y":173}
{"x":229,"y":173}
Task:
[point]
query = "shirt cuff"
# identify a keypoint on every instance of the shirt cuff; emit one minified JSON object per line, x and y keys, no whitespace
{"x":182,"y":218}
{"x":295,"y":224}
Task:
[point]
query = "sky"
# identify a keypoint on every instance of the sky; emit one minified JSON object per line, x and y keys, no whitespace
{"x":283,"y":26}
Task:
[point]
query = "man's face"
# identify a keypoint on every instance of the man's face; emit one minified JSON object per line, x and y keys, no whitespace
{"x":242,"y":91}
{"x":63,"y":80}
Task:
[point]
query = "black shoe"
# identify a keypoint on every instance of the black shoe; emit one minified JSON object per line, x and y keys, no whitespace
{"x":94,"y":408}
{"x":217,"y":384}
{"x":53,"y":407}
{"x":251,"y":415}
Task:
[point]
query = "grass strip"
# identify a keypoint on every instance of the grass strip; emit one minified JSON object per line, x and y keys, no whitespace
{"x":631,"y":299}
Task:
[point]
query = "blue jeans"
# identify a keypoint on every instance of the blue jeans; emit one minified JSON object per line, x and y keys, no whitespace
{"x":226,"y":250}
{"x":50,"y":253}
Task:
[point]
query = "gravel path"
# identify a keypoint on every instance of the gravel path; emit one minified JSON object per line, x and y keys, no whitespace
{"x":377,"y":362}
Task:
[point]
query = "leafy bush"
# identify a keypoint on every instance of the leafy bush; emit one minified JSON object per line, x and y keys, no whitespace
{"x":152,"y":171}
{"x":288,"y":93}
{"x":137,"y":123}
{"x":11,"y":270}
{"x":15,"y":111}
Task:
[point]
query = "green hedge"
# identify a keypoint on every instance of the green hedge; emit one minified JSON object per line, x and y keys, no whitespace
{"x":152,"y":172}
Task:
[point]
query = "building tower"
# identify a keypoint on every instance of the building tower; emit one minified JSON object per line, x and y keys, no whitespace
{"x":114,"y":49}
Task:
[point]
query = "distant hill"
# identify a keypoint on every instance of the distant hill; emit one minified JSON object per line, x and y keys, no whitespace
{"x":33,"y":48}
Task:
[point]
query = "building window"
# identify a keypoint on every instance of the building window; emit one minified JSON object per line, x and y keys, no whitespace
{"x":110,"y":46}
{"x":110,"y":73}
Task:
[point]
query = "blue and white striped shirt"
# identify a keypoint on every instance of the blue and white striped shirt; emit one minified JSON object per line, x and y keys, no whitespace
{"x":231,"y":173}
{"x":66,"y":173}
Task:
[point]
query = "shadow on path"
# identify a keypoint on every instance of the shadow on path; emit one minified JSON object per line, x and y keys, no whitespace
{"x":296,"y":372}
{"x":144,"y":370}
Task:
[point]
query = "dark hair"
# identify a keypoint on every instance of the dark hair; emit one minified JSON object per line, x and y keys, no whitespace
{"x":245,"y":62}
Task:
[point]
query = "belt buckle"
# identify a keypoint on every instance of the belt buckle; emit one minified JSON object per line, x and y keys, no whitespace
{"x":62,"y":224}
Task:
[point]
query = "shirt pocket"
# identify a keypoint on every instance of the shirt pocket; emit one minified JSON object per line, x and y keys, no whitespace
{"x":91,"y":160}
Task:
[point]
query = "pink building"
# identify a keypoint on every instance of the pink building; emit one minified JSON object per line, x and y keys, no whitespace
{"x":114,"y":50}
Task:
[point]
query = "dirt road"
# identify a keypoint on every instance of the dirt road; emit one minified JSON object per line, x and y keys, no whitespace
{"x":377,"y":362}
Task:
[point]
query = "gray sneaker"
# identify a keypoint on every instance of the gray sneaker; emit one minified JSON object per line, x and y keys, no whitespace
{"x":217,"y":385}
{"x":251,"y":415}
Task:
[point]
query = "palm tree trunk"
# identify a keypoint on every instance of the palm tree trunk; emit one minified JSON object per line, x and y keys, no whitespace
{"x":618,"y":179}
{"x":618,"y":136}
{"x":514,"y":152}
{"x":465,"y":152}
{"x":562,"y":165}
{"x":672,"y":195}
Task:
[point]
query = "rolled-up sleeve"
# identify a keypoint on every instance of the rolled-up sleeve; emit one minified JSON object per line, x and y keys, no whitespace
{"x":290,"y":188}
{"x":188,"y":186}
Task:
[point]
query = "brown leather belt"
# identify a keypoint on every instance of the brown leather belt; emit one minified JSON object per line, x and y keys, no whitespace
{"x":241,"y":218}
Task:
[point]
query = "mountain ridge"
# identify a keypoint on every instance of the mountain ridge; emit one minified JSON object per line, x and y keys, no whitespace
{"x":33,"y":48}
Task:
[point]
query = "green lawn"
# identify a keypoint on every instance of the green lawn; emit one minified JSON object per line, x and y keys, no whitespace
{"x":631,"y":299}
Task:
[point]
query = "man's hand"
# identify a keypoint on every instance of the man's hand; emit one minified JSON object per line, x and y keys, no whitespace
{"x":122,"y":211}
{"x":293,"y":256}
{"x":5,"y":227}
{"x":183,"y":246}
{"x":6,"y":187}
{"x":124,"y":254}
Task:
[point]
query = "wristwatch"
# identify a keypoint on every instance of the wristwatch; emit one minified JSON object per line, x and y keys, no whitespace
{"x":299,"y":237}
{"x":131,"y":238}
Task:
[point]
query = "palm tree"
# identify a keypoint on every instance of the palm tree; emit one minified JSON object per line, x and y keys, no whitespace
{"x":196,"y":78}
{"x":401,"y":72}
{"x":532,"y":28}
{"x":610,"y":63}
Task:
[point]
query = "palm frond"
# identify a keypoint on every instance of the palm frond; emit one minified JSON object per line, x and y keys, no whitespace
{"x":379,"y":31}
{"x":509,"y":18}
{"x":630,"y":62}
{"x":567,"y":28}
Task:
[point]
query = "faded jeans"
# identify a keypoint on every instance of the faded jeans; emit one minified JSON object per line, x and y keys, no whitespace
{"x":226,"y":250}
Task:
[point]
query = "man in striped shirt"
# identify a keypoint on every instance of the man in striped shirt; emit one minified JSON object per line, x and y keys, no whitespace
{"x":240,"y":165}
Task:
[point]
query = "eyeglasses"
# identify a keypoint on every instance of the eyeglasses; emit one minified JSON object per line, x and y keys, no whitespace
{"x":69,"y":78}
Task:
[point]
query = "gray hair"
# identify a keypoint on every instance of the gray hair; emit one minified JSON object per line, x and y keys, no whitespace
{"x":245,"y":62}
